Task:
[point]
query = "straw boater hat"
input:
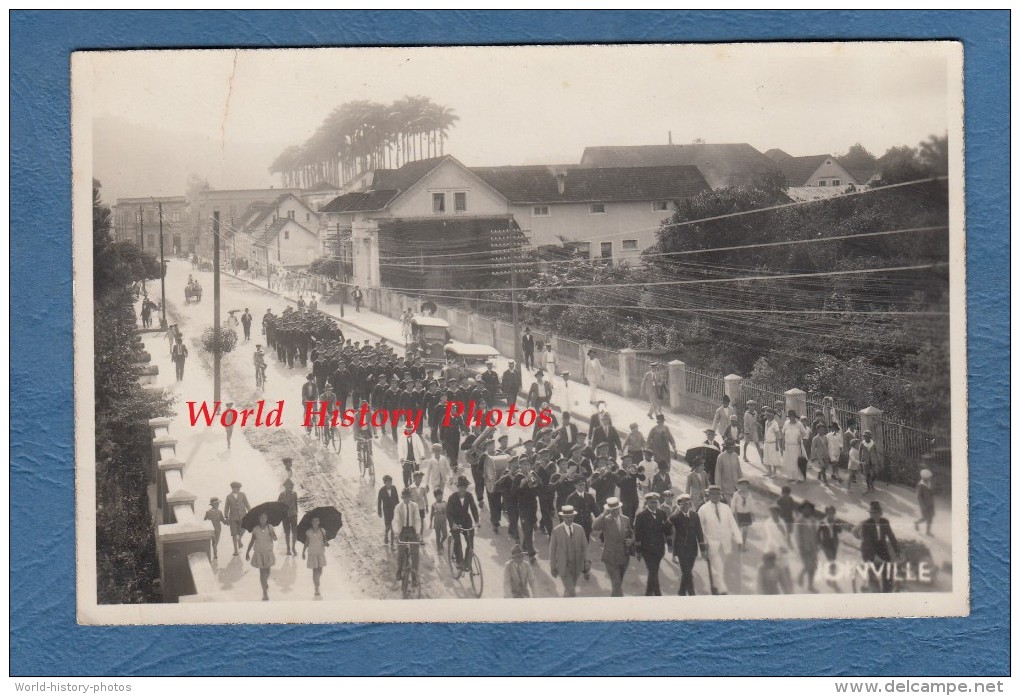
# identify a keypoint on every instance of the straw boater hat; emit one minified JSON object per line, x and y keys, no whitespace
{"x":516,"y":551}
{"x":613,"y":503}
{"x":683,"y":496}
{"x":652,"y":495}
{"x":926,"y":474}
{"x":567,"y":511}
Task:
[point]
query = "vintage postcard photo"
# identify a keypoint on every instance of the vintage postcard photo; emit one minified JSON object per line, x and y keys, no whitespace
{"x":530,"y":333}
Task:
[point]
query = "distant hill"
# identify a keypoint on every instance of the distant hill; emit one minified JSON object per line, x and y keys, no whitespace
{"x":135,"y":160}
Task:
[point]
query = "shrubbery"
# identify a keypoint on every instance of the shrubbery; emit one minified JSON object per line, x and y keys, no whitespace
{"x":127,"y":565}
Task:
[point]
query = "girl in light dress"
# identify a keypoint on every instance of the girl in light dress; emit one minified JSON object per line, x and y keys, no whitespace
{"x":773,"y":434}
{"x":315,"y":551}
{"x":853,"y":462}
{"x":792,"y":447}
{"x":262,"y":538}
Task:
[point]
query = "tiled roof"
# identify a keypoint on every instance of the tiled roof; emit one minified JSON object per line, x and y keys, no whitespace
{"x":777,"y":154}
{"x":268,"y":234}
{"x":538,"y":184}
{"x":798,"y":170}
{"x":359,"y":201}
{"x":861,"y":176}
{"x":387,"y":184}
{"x":722,"y":164}
{"x":321,"y":186}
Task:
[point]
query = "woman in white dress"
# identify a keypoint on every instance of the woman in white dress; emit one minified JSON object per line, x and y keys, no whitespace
{"x":773,"y":434}
{"x":262,"y":538}
{"x":315,"y":551}
{"x":793,"y":433}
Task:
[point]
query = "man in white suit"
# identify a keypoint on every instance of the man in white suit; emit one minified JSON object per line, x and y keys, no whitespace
{"x":568,"y":551}
{"x":593,"y":375}
{"x":721,"y":534}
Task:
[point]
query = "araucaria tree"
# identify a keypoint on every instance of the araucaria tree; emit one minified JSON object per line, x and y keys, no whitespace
{"x":362,"y":135}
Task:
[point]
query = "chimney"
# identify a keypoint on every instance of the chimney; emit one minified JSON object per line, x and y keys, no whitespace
{"x":561,"y":182}
{"x":670,"y":137}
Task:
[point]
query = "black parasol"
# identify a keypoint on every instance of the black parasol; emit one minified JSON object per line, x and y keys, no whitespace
{"x":330,"y":519}
{"x":275,"y":510}
{"x":706,"y":455}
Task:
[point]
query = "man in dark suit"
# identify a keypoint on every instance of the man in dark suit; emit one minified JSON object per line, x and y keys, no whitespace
{"x":512,"y":383}
{"x":688,"y":539}
{"x":651,"y":528}
{"x":619,"y":539}
{"x":528,"y":348}
{"x":879,"y":546}
{"x":462,"y":514}
{"x":566,"y":436}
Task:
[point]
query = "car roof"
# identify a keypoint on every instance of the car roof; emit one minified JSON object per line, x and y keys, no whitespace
{"x":470,"y":349}
{"x":430,"y":321}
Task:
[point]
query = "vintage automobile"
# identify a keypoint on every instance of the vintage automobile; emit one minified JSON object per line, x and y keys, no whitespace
{"x":193,"y":292}
{"x":470,"y":360}
{"x":429,"y":336}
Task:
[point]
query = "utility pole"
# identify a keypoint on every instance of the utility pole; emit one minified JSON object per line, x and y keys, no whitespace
{"x":216,"y":304}
{"x":340,"y":271}
{"x":162,"y":269}
{"x":141,"y":229}
{"x":518,"y":356}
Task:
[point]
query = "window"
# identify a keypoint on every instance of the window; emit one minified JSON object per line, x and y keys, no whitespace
{"x":828,"y":161}
{"x":286,"y":234}
{"x":597,"y":209}
{"x":175,"y":216}
{"x":460,"y":202}
{"x":836,"y":182}
{"x":138,"y":216}
{"x":659,"y":206}
{"x":540,"y":211}
{"x":629,"y":245}
{"x":291,"y":214}
{"x":438,"y":202}
{"x":584,"y":249}
{"x":821,"y":182}
{"x":607,"y":250}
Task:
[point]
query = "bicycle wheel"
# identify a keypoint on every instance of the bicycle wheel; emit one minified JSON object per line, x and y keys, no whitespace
{"x":335,"y":437}
{"x":476,"y":575}
{"x":405,"y":579}
{"x":455,"y":570}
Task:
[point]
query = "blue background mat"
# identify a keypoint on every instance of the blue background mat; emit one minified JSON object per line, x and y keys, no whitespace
{"x":44,"y":636}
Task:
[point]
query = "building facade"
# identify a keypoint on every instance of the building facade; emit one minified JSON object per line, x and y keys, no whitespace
{"x":136,"y":220}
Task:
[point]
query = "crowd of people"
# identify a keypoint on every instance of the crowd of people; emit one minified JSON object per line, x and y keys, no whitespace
{"x":594,"y":491}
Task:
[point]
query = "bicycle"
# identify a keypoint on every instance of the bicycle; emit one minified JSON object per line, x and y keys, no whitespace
{"x":471,"y":562}
{"x":331,"y":435}
{"x":407,"y":571}
{"x":365,"y":463}
{"x":260,"y":376}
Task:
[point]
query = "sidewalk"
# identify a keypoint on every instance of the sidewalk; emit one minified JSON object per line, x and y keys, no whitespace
{"x":899,"y":502}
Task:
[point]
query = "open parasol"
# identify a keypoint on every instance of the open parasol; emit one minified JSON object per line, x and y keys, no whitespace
{"x":330,"y":519}
{"x":705,"y":454}
{"x":275,"y":510}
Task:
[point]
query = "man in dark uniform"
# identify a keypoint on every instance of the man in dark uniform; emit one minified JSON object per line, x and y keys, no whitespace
{"x":462,"y":514}
{"x":627,"y":480}
{"x":309,"y":393}
{"x":341,"y":384}
{"x":880,"y":547}
{"x":688,"y":539}
{"x":651,"y":528}
{"x":525,"y":489}
{"x":544,"y":470}
{"x":490,"y":384}
{"x":603,"y":480}
{"x":505,"y":488}
{"x":584,"y":503}
{"x":449,"y":432}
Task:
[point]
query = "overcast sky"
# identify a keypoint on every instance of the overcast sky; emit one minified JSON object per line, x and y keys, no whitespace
{"x":545,"y":104}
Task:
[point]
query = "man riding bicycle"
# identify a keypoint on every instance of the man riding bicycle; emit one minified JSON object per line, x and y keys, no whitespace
{"x":259,"y":359}
{"x":309,"y":393}
{"x":462,"y":515}
{"x":408,"y":526}
{"x":329,"y":398}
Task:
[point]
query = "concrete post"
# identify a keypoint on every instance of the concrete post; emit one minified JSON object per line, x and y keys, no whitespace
{"x":796,"y":400}
{"x":871,"y":419}
{"x":174,"y":543}
{"x":627,"y":388}
{"x":731,"y":387}
{"x":677,"y":378}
